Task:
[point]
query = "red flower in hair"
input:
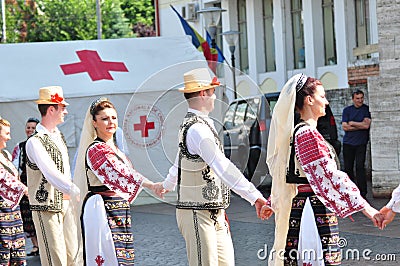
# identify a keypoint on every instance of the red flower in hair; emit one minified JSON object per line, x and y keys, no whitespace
{"x":56,"y":99}
{"x":215,"y":81}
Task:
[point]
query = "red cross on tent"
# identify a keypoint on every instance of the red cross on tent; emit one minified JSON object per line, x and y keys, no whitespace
{"x":93,"y":65}
{"x":144,"y":126}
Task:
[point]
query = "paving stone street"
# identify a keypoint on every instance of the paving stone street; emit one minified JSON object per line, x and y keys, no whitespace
{"x":158,"y":241}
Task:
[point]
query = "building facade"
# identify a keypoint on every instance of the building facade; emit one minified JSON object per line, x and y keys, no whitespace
{"x":338,"y":42}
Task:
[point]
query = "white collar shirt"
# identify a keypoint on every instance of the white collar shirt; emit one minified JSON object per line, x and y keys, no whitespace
{"x":37,"y":154}
{"x":200,"y":140}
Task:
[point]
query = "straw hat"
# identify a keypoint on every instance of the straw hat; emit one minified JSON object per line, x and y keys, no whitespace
{"x":198,"y":79}
{"x":51,"y":95}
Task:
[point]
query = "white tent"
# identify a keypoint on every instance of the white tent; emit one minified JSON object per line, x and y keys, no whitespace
{"x":140,"y":76}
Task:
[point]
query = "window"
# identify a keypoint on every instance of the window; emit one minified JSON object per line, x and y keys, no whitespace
{"x":239,"y":115}
{"x":252,"y":110}
{"x":298,"y":34}
{"x":243,"y":47}
{"x":329,"y":32}
{"x":272,"y":104}
{"x":362,"y":23}
{"x":228,"y":119}
{"x":269,"y":37}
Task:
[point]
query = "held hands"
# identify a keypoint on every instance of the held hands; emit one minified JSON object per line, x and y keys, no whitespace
{"x":258,"y":204}
{"x":262,"y":209}
{"x":388,"y":216}
{"x":375,"y":216}
{"x":266,"y":212}
{"x":159,"y":190}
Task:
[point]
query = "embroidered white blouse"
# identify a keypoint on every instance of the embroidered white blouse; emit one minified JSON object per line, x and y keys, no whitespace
{"x":117,"y":173}
{"x":200,"y":140}
{"x":332,"y":186}
{"x":11,"y":189}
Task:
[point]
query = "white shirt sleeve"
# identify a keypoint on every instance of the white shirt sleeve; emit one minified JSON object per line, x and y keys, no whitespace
{"x":38,"y":155}
{"x":172,"y":177}
{"x":394,"y":203}
{"x":200,"y":140}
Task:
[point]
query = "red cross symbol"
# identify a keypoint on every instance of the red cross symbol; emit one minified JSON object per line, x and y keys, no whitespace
{"x":99,"y":260}
{"x":144,"y":126}
{"x":93,"y":65}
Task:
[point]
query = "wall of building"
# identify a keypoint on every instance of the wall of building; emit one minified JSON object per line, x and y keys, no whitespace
{"x":170,"y":25}
{"x":349,"y":73}
{"x":384,"y":97}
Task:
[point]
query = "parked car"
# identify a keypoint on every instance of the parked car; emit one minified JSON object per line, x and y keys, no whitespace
{"x":246,"y":127}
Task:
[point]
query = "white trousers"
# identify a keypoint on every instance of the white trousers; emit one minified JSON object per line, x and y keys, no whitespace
{"x":206,"y":243}
{"x":57,"y":236}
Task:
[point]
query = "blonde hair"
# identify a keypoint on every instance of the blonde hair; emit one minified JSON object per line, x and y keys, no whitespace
{"x":4,"y":122}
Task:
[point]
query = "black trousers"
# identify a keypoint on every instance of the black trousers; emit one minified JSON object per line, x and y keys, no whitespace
{"x":356,"y":154}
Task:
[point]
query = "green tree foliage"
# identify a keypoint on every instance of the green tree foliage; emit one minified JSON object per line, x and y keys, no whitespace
{"x":114,"y":23}
{"x":141,"y":11}
{"x":17,"y":14}
{"x":141,"y":16}
{"x":64,"y":20}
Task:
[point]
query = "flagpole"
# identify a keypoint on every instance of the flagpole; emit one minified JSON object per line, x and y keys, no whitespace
{"x":98,"y":13}
{"x":3,"y":15}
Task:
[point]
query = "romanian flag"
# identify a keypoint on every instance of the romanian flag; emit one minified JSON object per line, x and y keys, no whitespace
{"x":221,"y":57}
{"x":212,"y":55}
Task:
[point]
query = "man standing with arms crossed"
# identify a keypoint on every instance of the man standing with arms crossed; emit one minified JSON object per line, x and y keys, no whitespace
{"x":356,"y":120}
{"x":49,"y":182}
{"x":204,"y":177}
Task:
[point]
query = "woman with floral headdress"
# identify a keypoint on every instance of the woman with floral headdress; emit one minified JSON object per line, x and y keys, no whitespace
{"x":19,"y":161}
{"x":111,"y":183}
{"x":308,"y":191}
{"x":12,"y":240}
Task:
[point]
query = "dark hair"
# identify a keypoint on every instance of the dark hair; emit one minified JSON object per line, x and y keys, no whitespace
{"x":43,"y":108}
{"x":191,"y":95}
{"x":308,"y":89}
{"x":356,"y":92}
{"x":99,"y":106}
{"x":33,"y":119}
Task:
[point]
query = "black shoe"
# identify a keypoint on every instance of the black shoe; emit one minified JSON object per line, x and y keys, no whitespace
{"x":34,"y":252}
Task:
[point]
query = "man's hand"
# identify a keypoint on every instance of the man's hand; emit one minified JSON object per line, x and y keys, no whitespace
{"x":375,"y":216}
{"x":388,"y":216}
{"x":260,"y":202}
{"x":159,"y":189}
{"x":266,"y":212}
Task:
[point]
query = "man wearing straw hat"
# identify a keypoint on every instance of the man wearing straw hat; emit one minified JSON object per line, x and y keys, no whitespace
{"x":49,"y":182}
{"x":204,"y":177}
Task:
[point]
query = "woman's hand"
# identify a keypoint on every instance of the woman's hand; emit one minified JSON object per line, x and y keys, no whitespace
{"x":157,"y":188}
{"x":375,"y":216}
